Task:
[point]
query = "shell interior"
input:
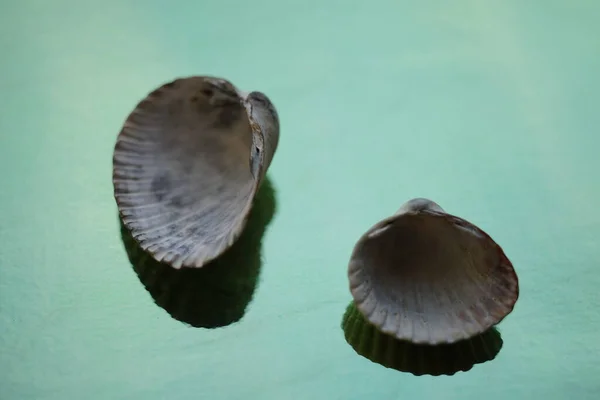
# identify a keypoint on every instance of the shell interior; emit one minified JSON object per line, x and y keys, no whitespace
{"x":429,"y":277}
{"x":185,"y":171}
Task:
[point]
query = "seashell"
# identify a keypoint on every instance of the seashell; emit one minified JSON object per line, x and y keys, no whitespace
{"x":429,"y":277}
{"x":187,"y":165}
{"x":418,"y":359}
{"x":218,"y":294}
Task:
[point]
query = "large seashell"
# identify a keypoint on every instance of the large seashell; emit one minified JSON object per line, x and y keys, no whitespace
{"x":218,"y":294}
{"x":418,"y":359}
{"x":187,"y":165}
{"x":429,"y":277}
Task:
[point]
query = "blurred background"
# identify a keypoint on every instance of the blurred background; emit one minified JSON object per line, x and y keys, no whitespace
{"x":489,"y":108}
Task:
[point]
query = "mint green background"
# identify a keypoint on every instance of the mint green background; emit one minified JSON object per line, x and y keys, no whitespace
{"x":490,"y":108}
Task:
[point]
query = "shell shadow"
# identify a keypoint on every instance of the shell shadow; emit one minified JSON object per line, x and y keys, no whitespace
{"x":418,"y":359}
{"x":217,"y":294}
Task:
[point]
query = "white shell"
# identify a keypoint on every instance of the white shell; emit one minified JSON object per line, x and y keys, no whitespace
{"x":187,"y":165}
{"x":428,"y":277}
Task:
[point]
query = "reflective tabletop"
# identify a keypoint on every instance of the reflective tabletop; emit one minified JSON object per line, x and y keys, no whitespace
{"x":488,"y":108}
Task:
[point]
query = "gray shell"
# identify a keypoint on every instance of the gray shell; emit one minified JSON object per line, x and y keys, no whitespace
{"x":187,"y":165}
{"x":429,"y":277}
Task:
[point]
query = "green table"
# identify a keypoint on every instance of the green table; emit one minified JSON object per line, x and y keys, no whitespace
{"x":490,"y":108}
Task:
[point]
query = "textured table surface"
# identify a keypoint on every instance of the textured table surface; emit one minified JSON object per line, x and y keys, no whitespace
{"x":490,"y":108}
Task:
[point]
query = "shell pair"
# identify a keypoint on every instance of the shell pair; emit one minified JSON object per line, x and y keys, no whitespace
{"x":188,"y":164}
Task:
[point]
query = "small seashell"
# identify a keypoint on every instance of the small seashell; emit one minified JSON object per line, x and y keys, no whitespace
{"x":429,"y":277}
{"x":187,"y":165}
{"x":218,"y":294}
{"x":418,"y":359}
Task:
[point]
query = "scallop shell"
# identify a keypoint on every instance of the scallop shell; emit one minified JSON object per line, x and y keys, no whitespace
{"x":218,"y":294}
{"x":187,"y":165}
{"x":418,"y":359}
{"x":429,"y":277}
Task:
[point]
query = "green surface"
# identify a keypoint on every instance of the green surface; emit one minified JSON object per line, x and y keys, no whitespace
{"x":489,"y":108}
